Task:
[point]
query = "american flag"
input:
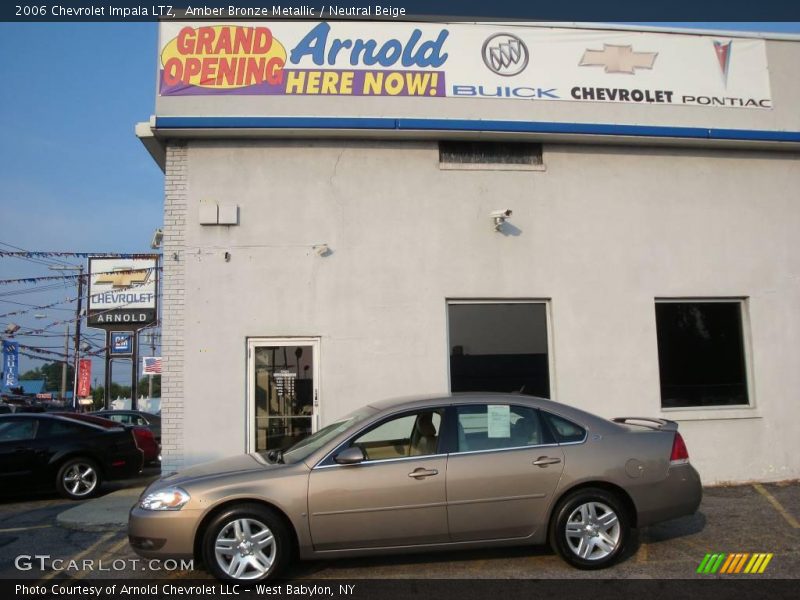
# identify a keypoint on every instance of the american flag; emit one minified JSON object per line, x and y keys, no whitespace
{"x":152,"y":365}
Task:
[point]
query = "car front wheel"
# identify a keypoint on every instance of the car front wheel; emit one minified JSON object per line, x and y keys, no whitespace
{"x":590,"y":529}
{"x":246,"y":542}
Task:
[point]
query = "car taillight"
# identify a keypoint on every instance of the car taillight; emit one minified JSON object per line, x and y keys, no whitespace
{"x":680,"y":455}
{"x":143,"y":437}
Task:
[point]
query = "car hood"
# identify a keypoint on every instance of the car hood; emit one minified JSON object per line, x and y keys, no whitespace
{"x":244,"y":463}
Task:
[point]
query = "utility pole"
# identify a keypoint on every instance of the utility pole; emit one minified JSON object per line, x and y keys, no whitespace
{"x":77,"y":346}
{"x":78,"y":317}
{"x":64,"y":366}
{"x":135,"y":371}
{"x":152,"y":353}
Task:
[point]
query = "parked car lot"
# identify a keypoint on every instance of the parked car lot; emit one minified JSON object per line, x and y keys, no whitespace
{"x":74,"y":457}
{"x":730,"y":519}
{"x":134,"y":417}
{"x":446,"y":473}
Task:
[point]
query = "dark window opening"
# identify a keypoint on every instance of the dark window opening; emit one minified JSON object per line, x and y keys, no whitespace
{"x":490,"y":153}
{"x":701,"y":356}
{"x":499,"y":348}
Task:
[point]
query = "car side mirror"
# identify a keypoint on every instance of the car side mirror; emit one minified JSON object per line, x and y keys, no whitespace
{"x":350,"y":456}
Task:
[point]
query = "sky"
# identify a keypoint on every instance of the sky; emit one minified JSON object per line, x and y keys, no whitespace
{"x":73,"y":176}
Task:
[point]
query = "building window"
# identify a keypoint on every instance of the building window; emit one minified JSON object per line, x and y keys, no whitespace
{"x":499,"y":347}
{"x":701,"y":353}
{"x":517,"y":156}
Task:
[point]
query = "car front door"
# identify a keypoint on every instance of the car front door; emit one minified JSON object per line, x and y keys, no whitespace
{"x":394,"y":497}
{"x":501,"y":478}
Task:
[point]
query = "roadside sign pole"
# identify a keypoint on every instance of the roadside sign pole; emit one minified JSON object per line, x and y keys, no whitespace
{"x":107,"y":388}
{"x":135,"y":370}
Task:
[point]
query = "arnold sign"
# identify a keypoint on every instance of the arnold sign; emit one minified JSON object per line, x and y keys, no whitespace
{"x":440,"y":62}
{"x":123,"y":292}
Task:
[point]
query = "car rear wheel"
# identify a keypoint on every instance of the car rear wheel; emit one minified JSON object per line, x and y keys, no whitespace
{"x":590,"y":529}
{"x":247,"y":542}
{"x":78,"y":478}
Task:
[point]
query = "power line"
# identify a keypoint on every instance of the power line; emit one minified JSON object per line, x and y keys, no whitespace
{"x":43,"y":254}
{"x":42,"y":262}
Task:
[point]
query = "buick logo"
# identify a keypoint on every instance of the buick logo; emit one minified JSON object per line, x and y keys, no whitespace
{"x":505,"y":54}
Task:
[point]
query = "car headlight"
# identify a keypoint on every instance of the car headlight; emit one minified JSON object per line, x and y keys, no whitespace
{"x":173,"y":498}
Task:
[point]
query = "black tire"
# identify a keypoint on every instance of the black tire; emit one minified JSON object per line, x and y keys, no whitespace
{"x":280,"y":549}
{"x":78,"y":478}
{"x":596,"y":526}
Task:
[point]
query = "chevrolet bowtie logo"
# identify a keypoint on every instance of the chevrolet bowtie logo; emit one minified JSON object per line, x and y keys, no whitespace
{"x":125,"y":278}
{"x":618,"y":59}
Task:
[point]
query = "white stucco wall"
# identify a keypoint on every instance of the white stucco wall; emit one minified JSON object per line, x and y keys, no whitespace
{"x":602,"y":232}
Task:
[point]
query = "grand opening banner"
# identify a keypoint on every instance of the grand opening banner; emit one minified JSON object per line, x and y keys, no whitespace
{"x":438,"y":62}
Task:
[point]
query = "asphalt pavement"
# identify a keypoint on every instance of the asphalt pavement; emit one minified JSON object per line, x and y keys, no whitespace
{"x":747,"y":518}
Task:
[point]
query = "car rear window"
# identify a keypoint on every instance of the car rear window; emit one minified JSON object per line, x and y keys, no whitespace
{"x":105,"y":423}
{"x":564,"y":430}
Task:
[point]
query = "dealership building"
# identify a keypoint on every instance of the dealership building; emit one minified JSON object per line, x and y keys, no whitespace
{"x":606,"y":217}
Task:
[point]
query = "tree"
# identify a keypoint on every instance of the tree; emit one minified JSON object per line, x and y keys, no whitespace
{"x":143,"y":386}
{"x":51,"y":373}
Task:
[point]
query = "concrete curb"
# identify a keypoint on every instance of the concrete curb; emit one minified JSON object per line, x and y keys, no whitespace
{"x":107,"y":513}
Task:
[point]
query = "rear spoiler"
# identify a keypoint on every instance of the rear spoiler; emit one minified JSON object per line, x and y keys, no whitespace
{"x":656,"y":424}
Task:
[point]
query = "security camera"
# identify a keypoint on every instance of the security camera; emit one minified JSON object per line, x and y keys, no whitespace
{"x":158,"y":236}
{"x":499,"y":217}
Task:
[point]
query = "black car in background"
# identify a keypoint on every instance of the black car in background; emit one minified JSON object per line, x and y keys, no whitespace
{"x":44,"y":451}
{"x":134,"y":417}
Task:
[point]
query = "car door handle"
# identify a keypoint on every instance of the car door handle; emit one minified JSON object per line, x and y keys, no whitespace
{"x":420,"y":473}
{"x":543,"y":461}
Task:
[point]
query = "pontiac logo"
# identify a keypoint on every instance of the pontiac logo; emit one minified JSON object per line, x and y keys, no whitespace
{"x":505,"y":54}
{"x":124,"y":278}
{"x":723,"y":52}
{"x":618,"y":59}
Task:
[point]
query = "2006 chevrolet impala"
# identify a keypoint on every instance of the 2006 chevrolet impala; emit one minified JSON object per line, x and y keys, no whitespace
{"x":426,"y":474}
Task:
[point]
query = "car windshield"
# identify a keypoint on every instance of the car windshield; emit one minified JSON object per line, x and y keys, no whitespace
{"x":307,"y":446}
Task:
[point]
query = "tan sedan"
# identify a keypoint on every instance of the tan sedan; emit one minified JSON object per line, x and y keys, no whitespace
{"x":444,"y":473}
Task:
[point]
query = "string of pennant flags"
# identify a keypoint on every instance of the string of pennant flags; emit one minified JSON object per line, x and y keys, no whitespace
{"x":75,"y":276}
{"x":56,"y":353}
{"x":27,"y":254}
{"x":73,"y":319}
{"x":23,"y":311}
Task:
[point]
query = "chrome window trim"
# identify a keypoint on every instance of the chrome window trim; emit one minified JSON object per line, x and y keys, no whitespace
{"x":585,"y":437}
{"x":504,"y":449}
{"x":380,"y":461}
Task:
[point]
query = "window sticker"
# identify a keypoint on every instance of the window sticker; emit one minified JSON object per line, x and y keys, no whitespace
{"x":499,"y":420}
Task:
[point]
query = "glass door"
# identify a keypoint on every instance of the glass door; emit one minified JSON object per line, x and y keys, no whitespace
{"x":283,"y":397}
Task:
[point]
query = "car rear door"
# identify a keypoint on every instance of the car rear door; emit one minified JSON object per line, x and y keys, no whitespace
{"x":502,"y":474}
{"x":395,"y":497}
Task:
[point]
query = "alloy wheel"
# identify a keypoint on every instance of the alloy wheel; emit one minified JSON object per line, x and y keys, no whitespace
{"x":80,"y":479}
{"x":245,"y":548}
{"x":593,"y":531}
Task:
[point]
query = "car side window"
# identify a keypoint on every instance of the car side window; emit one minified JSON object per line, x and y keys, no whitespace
{"x":56,"y":428}
{"x":17,"y":430}
{"x":565,"y":431}
{"x":415,"y":434}
{"x":124,"y":419}
{"x":497,"y":426}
